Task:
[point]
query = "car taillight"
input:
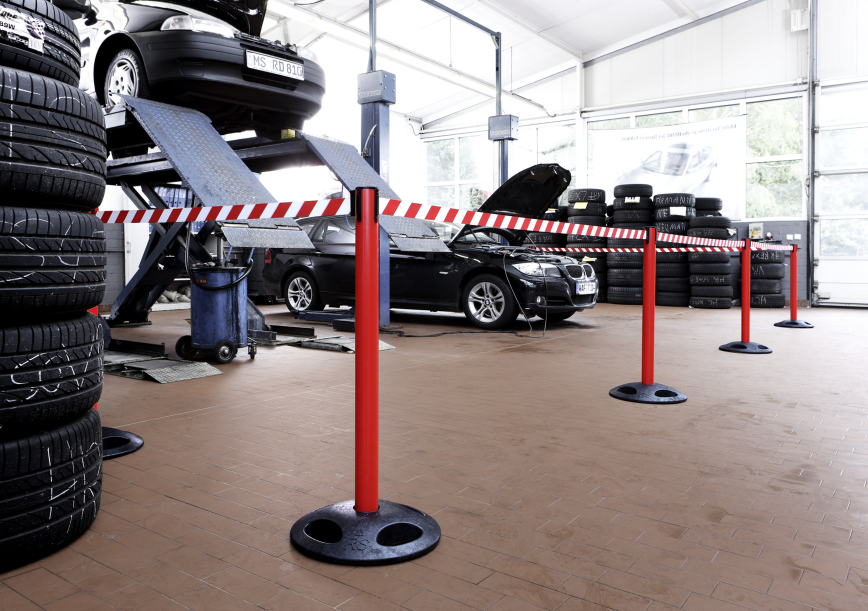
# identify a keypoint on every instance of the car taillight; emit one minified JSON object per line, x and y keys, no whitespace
{"x":267,"y":256}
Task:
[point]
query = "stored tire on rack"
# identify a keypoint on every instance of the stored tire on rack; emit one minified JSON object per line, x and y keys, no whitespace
{"x":772,"y":271}
{"x":768,"y":287}
{"x":591,"y":209}
{"x":672,"y":227}
{"x":711,"y":280}
{"x":672,"y":285}
{"x":665,"y":200}
{"x":591,"y":241}
{"x":586,"y":195}
{"x":671,"y":257}
{"x":61,"y":56}
{"x":767,"y":256}
{"x":50,"y":489}
{"x":709,"y":203}
{"x":50,"y":371}
{"x":634,"y":226}
{"x":677,"y":300}
{"x":723,"y":222}
{"x":596,"y":221}
{"x":644,"y":203}
{"x":710,"y":268}
{"x":52,"y":144}
{"x":710,"y":233}
{"x":625,"y":243}
{"x":624,"y":295}
{"x":625,"y":260}
{"x":665,"y":214}
{"x":50,"y":261}
{"x":624,"y":277}
{"x":632,"y":216}
{"x":672,"y":270}
{"x":634,"y":191}
{"x":767,"y":301}
{"x":708,"y":257}
{"x":711,"y":291}
{"x":545,"y":239}
{"x":711,"y":303}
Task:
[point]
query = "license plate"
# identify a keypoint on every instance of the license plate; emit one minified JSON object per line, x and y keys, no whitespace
{"x":275,"y":65}
{"x":585,"y":288}
{"x":22,"y":29}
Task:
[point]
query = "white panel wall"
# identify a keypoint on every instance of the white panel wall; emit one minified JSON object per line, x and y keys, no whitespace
{"x":842,"y":39}
{"x":747,"y":48}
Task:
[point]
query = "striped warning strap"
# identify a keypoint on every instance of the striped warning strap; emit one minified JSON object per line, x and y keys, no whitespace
{"x":605,"y":250}
{"x":390,"y":207}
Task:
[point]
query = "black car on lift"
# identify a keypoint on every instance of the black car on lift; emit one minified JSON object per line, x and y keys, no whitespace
{"x":202,"y":54}
{"x":491,"y":282}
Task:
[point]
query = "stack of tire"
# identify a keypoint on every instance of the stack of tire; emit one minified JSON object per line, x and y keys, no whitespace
{"x":766,"y":274}
{"x":711,"y":275}
{"x":588,"y":207}
{"x":672,"y":214}
{"x":632,"y":208}
{"x":52,"y":258}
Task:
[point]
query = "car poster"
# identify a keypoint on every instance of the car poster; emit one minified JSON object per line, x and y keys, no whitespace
{"x":706,"y":158}
{"x":22,"y":29}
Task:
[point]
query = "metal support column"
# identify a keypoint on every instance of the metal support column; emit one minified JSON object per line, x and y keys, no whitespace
{"x":812,"y":139}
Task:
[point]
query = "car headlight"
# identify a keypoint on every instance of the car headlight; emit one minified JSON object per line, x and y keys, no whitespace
{"x":196,"y":24}
{"x":306,"y":53}
{"x":589,"y":272}
{"x":537,"y":269}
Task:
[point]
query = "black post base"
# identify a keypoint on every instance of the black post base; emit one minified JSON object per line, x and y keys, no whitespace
{"x":116,"y":442}
{"x":647,"y":393}
{"x":340,"y":535}
{"x":794,"y":324}
{"x":746,"y":348}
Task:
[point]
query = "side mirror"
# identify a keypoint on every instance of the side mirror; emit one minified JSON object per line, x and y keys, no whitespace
{"x":75,"y":9}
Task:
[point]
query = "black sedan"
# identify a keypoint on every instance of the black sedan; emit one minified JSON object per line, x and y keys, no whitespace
{"x":484,"y":275}
{"x":201,"y":54}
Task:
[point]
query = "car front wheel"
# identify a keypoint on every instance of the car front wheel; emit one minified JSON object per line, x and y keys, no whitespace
{"x":488,"y":302}
{"x":301,"y":294}
{"x":125,"y":75}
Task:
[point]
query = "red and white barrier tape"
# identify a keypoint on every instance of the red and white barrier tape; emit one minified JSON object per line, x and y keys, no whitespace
{"x":605,"y":250}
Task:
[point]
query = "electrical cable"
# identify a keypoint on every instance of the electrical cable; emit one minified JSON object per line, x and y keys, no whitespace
{"x":206,"y":287}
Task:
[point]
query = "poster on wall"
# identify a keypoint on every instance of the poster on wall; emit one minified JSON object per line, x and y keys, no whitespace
{"x":706,"y":158}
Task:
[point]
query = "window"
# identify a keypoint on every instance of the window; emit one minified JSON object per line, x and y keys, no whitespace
{"x":308,"y":225}
{"x":458,"y":171}
{"x":718,"y":112}
{"x":545,"y":144}
{"x":659,"y":120}
{"x":622,"y":123}
{"x":340,"y":231}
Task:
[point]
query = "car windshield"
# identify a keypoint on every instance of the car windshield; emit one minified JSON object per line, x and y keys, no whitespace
{"x":448,"y":231}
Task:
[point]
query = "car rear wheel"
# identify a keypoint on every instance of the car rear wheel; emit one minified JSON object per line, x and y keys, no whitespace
{"x":301,"y":293}
{"x":488,"y":302}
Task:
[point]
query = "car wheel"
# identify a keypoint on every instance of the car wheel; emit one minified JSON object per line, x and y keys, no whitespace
{"x":301,"y":294}
{"x":125,"y":75}
{"x":488,"y":302}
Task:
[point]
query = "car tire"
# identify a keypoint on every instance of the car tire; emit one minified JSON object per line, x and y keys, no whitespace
{"x":52,"y":144}
{"x":624,"y":295}
{"x":722,"y":222}
{"x":586,"y":195}
{"x":665,"y":200}
{"x":592,"y":209}
{"x":711,"y":279}
{"x":711,"y":303}
{"x":61,"y":56}
{"x":709,"y":233}
{"x":763,"y":257}
{"x":625,"y":243}
{"x":767,"y":287}
{"x":677,"y":300}
{"x":632,"y":216}
{"x":672,"y":270}
{"x":672,"y":285}
{"x":594,"y":221}
{"x":590,"y":241}
{"x":300,"y":293}
{"x":711,"y":291}
{"x":625,"y":260}
{"x":50,"y":489}
{"x":644,"y":203}
{"x":767,"y":301}
{"x":488,"y":287}
{"x":665,"y":214}
{"x":710,"y":268}
{"x":50,"y":371}
{"x":125,"y":74}
{"x":672,"y":227}
{"x":548,"y":240}
{"x":671,"y":257}
{"x":711,"y":204}
{"x":633,"y":191}
{"x":708,"y":257}
{"x":625,"y":277}
{"x":771,"y":271}
{"x":52,"y":261}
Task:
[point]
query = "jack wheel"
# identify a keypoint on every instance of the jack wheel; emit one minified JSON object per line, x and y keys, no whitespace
{"x":184,"y":348}
{"x":225,"y":351}
{"x":251,"y":351}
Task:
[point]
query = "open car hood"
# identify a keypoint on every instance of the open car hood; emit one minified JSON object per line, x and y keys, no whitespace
{"x":530,"y":192}
{"x":246,"y":15}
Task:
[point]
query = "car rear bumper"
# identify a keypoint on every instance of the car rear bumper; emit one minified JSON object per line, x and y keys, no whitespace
{"x":191,"y":64}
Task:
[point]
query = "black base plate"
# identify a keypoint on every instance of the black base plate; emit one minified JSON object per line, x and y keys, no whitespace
{"x":746,"y":348}
{"x":116,"y":442}
{"x":647,"y":393}
{"x":341,"y":535}
{"x":794,"y":324}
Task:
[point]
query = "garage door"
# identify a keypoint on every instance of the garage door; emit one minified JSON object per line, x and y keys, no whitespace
{"x":841,"y":203}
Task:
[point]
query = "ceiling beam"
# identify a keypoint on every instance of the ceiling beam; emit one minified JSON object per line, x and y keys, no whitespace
{"x":530,"y":28}
{"x":682,"y":8}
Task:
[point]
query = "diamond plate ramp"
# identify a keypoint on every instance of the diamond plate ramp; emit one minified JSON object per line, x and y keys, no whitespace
{"x":351,"y":169}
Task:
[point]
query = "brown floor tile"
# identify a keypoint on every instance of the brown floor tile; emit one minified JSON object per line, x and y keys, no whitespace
{"x":10,"y":599}
{"x":209,"y":598}
{"x":380,"y":585}
{"x":525,"y":591}
{"x":459,"y":590}
{"x":192,"y":562}
{"x":604,"y":595}
{"x":429,"y":601}
{"x":77,"y":602}
{"x":318,"y":587}
{"x":40,"y":586}
{"x":164,"y":579}
{"x":96,"y":578}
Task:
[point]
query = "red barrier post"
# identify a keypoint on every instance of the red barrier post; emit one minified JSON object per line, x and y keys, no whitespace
{"x":794,"y":322}
{"x":649,"y":286}
{"x":647,"y":391}
{"x":367,"y":352}
{"x":745,"y":346}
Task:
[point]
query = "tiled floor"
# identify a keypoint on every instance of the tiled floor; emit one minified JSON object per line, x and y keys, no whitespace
{"x":550,"y":494}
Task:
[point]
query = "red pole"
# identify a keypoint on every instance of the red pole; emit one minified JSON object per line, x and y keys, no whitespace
{"x":367,"y":350}
{"x":794,"y":284}
{"x":649,"y":282}
{"x":745,"y":292}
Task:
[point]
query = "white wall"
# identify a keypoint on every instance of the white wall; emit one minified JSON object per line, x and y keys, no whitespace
{"x":752,"y":47}
{"x":842,"y":39}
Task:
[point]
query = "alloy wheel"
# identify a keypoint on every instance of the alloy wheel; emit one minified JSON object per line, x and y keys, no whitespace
{"x":124,"y":79}
{"x":486,"y":302}
{"x":299,"y":293}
